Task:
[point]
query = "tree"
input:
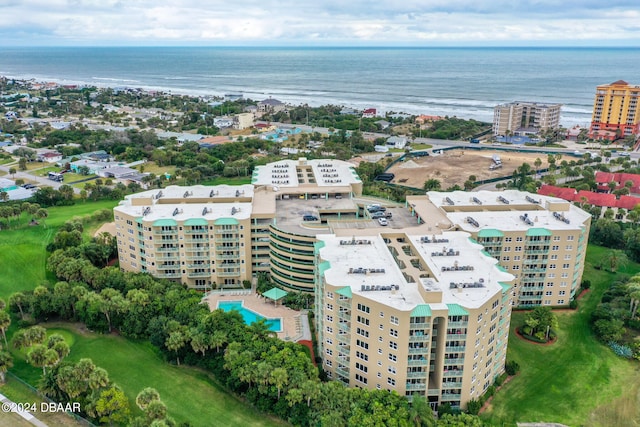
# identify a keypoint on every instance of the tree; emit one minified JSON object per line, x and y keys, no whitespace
{"x":111,"y":406}
{"x":22,"y":164}
{"x":12,"y":171}
{"x":539,"y":322}
{"x":615,"y":258}
{"x":5,"y":322}
{"x":175,"y":341}
{"x":6,"y":362}
{"x":41,"y":356}
{"x":280,"y":378}
{"x":432,"y":184}
{"x":145,"y":397}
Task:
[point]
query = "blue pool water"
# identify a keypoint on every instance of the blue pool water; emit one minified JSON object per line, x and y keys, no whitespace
{"x":248,"y":315}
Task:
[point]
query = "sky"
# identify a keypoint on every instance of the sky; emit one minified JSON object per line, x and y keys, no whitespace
{"x":320,"y":22}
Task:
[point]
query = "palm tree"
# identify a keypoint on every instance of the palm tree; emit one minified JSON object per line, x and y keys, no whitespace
{"x":615,"y":258}
{"x":5,"y":322}
{"x":280,"y":378}
{"x":6,"y":362}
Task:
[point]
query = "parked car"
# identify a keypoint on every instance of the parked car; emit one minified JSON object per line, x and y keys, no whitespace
{"x":376,"y":208}
{"x":309,"y":218}
{"x":377,"y":214}
{"x":383,"y":221}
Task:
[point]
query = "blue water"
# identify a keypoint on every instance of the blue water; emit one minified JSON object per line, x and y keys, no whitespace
{"x":248,"y":315}
{"x":463,"y":82}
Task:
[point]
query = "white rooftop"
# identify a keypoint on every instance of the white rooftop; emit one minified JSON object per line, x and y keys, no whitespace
{"x":362,"y":266}
{"x":186,"y":209}
{"x":463,"y":273}
{"x":514,"y":204}
{"x":326,"y":172}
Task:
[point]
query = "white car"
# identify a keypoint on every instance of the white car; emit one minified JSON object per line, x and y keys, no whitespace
{"x":383,"y":221}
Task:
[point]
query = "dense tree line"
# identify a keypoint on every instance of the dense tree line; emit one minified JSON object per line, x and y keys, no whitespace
{"x":616,"y":320}
{"x":276,"y":376}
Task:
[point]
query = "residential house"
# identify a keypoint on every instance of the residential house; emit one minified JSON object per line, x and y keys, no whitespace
{"x":398,"y":142}
{"x":243,"y":121}
{"x":271,"y":105}
{"x":369,"y":113}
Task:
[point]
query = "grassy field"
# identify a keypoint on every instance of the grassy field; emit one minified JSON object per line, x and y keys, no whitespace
{"x":152,"y":167}
{"x":577,"y":380}
{"x":236,"y":180}
{"x":23,"y":247}
{"x":190,"y":394}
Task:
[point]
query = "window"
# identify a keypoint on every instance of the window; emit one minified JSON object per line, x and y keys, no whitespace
{"x":329,"y":352}
{"x":547,"y":302}
{"x":556,"y":238}
{"x":552,"y":266}
{"x":328,"y":362}
{"x":329,"y":341}
{"x":361,"y":379}
{"x":379,"y":339}
{"x":363,"y":320}
{"x":480,"y":317}
{"x":394,"y":320}
{"x":393,"y":345}
{"x":362,"y":344}
{"x":393,"y":357}
{"x":381,"y":327}
{"x":567,"y":256}
{"x":565,"y":266}
{"x":329,"y":295}
{"x":505,"y":258}
{"x":329,"y":318}
{"x":495,"y":304}
{"x":570,"y":238}
{"x":508,"y":239}
{"x":569,"y":247}
{"x":382,"y":314}
{"x":519,"y":239}
{"x":391,"y":381}
{"x":555,"y":248}
{"x":393,"y":332}
{"x":562,"y":293}
{"x":564,"y":275}
{"x":361,"y":367}
{"x":516,"y":258}
{"x":563,"y":284}
{"x":554,"y":257}
{"x":492,"y":328}
{"x":551,"y":275}
{"x":548,"y":293}
{"x":363,"y":308}
{"x":494,"y":315}
{"x":506,"y":249}
{"x":560,"y":301}
{"x":549,"y":284}
{"x":363,"y":356}
{"x":516,"y":267}
{"x":391,"y":370}
{"x":362,"y":332}
{"x":518,"y":249}
{"x":330,"y":307}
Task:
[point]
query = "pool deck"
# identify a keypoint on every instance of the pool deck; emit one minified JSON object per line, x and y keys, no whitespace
{"x":294,"y":325}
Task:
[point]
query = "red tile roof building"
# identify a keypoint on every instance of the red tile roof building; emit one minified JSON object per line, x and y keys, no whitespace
{"x":590,"y":197}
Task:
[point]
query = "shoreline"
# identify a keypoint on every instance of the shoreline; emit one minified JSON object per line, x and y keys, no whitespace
{"x":429,"y":106}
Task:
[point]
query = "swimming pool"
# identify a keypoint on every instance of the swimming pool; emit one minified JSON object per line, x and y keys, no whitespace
{"x":249,"y":316}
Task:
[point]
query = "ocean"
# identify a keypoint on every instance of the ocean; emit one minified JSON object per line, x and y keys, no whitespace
{"x":462,"y":82}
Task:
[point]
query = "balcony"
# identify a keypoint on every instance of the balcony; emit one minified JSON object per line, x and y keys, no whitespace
{"x":452,"y":374}
{"x":433,"y":392}
{"x":458,"y":361}
{"x":196,"y":240}
{"x":419,"y":386}
{"x":199,"y":274}
{"x":168,"y":275}
{"x":174,"y":249}
{"x":454,"y":349}
{"x":197,"y":258}
{"x":165,"y":232}
{"x":413,"y":362}
{"x":233,"y":256}
{"x":457,"y":324}
{"x":419,"y":338}
{"x":449,"y":385}
{"x":421,"y":374}
{"x":344,"y":326}
{"x":420,"y":325}
{"x":419,"y":350}
{"x":446,"y":397}
{"x":343,"y":371}
{"x":451,"y":337}
{"x":228,"y":273}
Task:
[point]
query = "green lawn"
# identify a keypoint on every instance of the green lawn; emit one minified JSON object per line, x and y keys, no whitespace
{"x":577,"y":380}
{"x":235,"y":180}
{"x":190,"y":394}
{"x":23,"y":247}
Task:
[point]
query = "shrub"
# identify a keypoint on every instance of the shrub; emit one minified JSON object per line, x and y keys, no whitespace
{"x":474,"y":406}
{"x":621,"y":350}
{"x":586,"y":284}
{"x":573,"y":304}
{"x":512,"y":367}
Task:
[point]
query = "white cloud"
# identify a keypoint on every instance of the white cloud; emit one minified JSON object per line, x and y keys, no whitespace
{"x":145,"y":22}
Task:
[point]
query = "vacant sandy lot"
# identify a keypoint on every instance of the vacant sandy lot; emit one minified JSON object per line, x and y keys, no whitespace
{"x":455,"y":166}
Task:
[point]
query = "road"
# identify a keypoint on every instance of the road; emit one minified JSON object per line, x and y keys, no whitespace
{"x":571,"y":148}
{"x":29,"y":176}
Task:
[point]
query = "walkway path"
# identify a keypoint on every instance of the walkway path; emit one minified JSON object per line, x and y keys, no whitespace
{"x":6,"y":403}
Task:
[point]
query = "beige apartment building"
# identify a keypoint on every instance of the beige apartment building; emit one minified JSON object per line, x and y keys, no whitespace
{"x":519,"y":118}
{"x":207,"y":237}
{"x":420,"y":314}
{"x":541,"y":240}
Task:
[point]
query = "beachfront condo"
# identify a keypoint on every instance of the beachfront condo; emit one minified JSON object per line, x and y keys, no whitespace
{"x":522,"y":118}
{"x":615,"y":111}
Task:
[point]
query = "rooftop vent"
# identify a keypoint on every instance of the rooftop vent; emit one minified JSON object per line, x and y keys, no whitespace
{"x":367,"y":288}
{"x":159,"y":194}
{"x":205,"y":211}
{"x":476,"y":201}
{"x":176,"y":211}
{"x":146,"y":211}
{"x":560,"y":217}
{"x":532,"y":200}
{"x":526,"y":219}
{"x":449,"y":201}
{"x":503,"y":200}
{"x":472,"y":222}
{"x":234,"y":210}
{"x":354,"y":242}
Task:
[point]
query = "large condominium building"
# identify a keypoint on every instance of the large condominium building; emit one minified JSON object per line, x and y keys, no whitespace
{"x":517,"y":118}
{"x":541,"y":240}
{"x":224,"y":235}
{"x":615,"y":111}
{"x":419,"y":314}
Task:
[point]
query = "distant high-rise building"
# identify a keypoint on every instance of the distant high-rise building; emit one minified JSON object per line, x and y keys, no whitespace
{"x":517,"y":118}
{"x":615,"y":111}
